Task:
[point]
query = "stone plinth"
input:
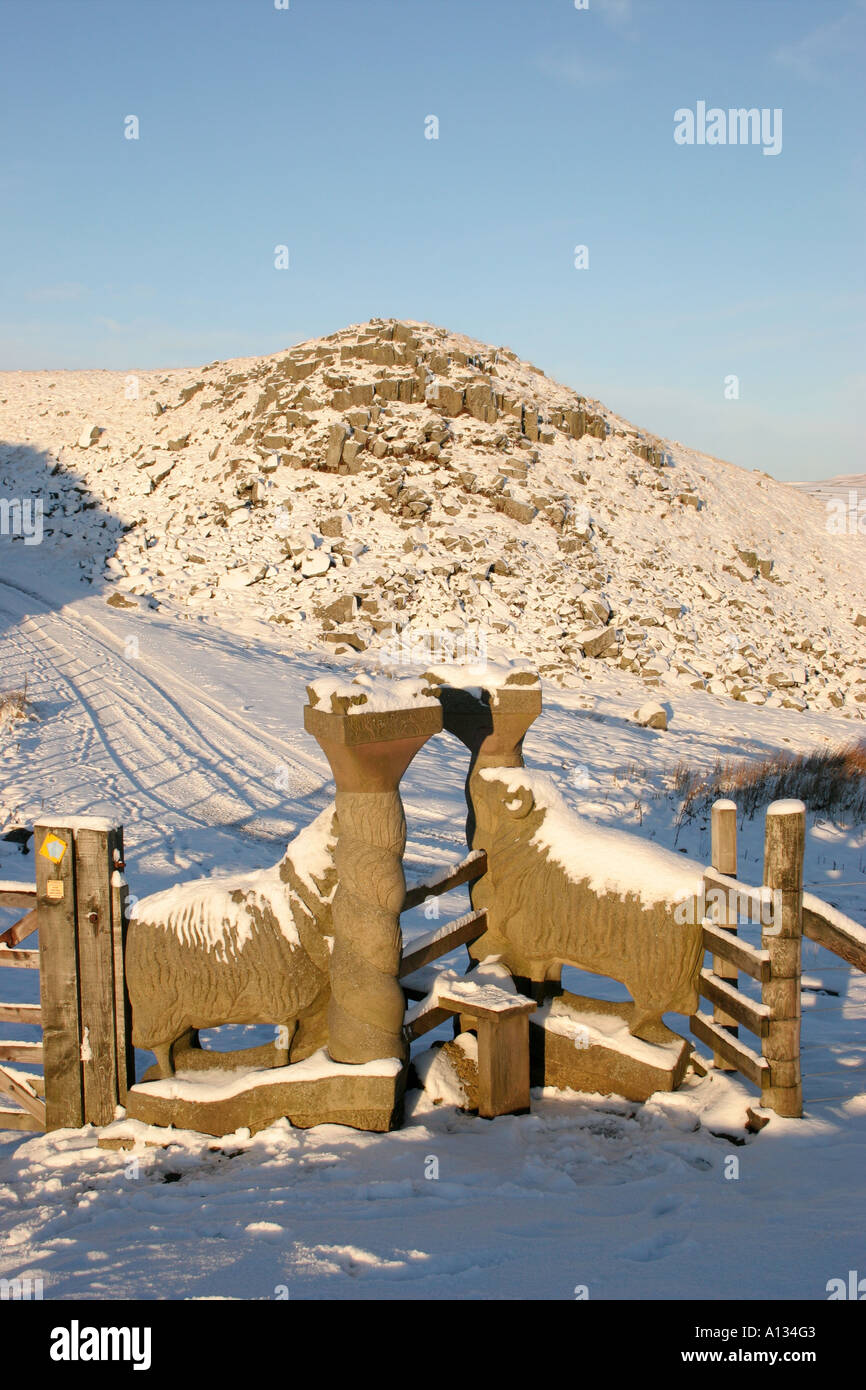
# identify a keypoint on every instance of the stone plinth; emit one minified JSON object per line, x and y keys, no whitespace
{"x":583,"y":1044}
{"x":313,"y":1092}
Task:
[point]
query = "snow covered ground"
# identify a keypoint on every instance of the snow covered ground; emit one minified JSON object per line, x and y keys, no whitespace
{"x":187,"y":727}
{"x":186,"y":744}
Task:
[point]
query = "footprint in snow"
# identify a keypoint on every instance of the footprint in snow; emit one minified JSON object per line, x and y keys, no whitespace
{"x":665,"y":1206}
{"x":653,"y":1247}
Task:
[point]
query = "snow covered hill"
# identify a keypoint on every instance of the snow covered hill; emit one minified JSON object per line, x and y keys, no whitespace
{"x":397,"y":489}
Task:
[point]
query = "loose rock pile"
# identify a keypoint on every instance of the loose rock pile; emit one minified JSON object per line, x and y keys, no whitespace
{"x":395,"y":476}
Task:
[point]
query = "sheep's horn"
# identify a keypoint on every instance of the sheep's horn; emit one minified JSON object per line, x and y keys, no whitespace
{"x":527,"y":801}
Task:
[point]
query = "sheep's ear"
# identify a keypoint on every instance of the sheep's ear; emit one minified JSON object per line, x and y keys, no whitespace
{"x":520,"y":803}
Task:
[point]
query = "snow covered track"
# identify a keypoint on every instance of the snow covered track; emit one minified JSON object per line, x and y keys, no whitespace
{"x":140,"y":733}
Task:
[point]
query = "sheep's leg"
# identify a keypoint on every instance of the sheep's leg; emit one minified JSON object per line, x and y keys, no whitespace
{"x":312,"y":1034}
{"x":283,"y":1044}
{"x":644,"y":1023}
{"x":187,"y":1042}
{"x":164,"y":1062}
{"x":538,"y":986}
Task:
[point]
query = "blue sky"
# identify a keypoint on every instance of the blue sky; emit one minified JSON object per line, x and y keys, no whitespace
{"x":305,"y":127}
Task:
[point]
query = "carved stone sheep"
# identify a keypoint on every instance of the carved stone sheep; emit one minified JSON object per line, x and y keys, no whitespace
{"x":253,"y":948}
{"x":544,"y":892}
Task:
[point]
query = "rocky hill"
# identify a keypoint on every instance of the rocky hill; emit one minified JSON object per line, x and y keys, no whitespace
{"x":394,"y":480}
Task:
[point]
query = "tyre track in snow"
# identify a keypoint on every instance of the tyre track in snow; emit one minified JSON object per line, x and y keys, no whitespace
{"x":306,"y":766}
{"x":157,"y":741}
{"x":171,"y":745}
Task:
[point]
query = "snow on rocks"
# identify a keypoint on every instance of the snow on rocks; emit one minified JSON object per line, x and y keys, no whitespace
{"x":242,"y":576}
{"x":315,"y":563}
{"x":89,"y":435}
{"x":595,"y":608}
{"x":597,"y":641}
{"x":368,"y":695}
{"x":651,"y":716}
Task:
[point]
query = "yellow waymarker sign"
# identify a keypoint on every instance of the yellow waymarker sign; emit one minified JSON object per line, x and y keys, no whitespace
{"x":53,"y":849}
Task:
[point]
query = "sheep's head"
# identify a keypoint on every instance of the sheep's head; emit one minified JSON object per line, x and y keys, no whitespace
{"x":504,"y":813}
{"x":308,"y":865}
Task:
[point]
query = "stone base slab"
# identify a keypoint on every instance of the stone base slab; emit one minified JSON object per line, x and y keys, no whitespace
{"x":316,"y":1091}
{"x":583,"y":1044}
{"x":186,"y":1058}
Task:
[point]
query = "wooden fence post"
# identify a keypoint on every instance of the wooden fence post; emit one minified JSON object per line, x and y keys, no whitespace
{"x":122,"y":1007}
{"x":94,"y":864}
{"x":724,"y":859}
{"x":58,"y":975}
{"x":80,"y":905}
{"x":784,"y":845}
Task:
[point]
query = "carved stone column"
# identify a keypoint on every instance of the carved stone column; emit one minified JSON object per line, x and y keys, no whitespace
{"x":492,"y":728}
{"x":368,"y":752}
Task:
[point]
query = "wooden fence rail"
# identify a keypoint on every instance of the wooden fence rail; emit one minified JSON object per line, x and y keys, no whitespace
{"x":786,"y":914}
{"x":834,"y":931}
{"x":21,"y":959}
{"x":739,"y":953}
{"x":18,"y":895}
{"x":438,"y":943}
{"x":470,"y":868}
{"x":446,"y":938}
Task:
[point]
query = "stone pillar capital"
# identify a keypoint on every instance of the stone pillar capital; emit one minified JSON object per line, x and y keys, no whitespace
{"x":370,"y":751}
{"x":494,"y":723}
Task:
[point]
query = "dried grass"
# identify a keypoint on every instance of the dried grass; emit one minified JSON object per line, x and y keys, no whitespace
{"x":14,"y":705}
{"x":831,"y":783}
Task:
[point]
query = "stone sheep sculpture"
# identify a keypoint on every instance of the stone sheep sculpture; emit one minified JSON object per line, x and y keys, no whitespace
{"x":561,"y":891}
{"x":252,"y":948}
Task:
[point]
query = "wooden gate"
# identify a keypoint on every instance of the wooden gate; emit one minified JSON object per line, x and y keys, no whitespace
{"x":78,"y":908}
